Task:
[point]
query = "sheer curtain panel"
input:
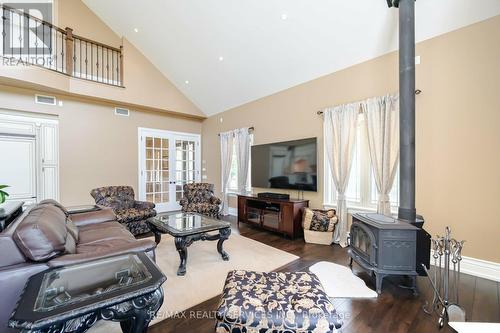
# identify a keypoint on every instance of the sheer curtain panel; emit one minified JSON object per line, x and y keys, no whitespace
{"x":340,"y":140}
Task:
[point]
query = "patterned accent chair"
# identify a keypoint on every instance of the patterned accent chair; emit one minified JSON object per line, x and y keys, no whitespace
{"x":200,"y":198}
{"x":129,"y":212}
{"x":275,"y":302}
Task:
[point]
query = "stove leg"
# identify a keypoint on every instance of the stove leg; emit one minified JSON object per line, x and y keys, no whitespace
{"x":413,"y":285}
{"x":350,"y":263}
{"x":378,"y":282}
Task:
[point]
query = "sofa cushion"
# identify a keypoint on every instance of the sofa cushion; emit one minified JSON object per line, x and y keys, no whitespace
{"x":72,"y":229}
{"x":134,"y":214}
{"x":98,"y":250}
{"x":109,"y":246}
{"x":103,"y":232}
{"x":56,"y":204}
{"x":42,"y":234}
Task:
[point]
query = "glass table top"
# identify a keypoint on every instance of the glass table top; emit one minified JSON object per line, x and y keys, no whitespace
{"x":178,"y":223}
{"x":71,"y":284}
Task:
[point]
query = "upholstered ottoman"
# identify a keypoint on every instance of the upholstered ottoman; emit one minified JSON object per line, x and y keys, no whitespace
{"x":275,"y":302}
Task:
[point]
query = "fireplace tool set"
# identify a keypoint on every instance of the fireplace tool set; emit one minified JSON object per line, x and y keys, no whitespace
{"x":445,"y":280}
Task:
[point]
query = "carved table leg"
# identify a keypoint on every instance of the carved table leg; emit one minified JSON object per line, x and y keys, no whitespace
{"x":134,"y":316}
{"x":224,"y":234}
{"x":157,"y":235}
{"x":181,"y":244}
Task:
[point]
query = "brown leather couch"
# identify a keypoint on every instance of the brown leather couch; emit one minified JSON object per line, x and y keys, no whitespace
{"x":46,"y":236}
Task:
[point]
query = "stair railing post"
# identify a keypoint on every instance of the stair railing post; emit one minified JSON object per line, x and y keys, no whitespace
{"x":69,"y":51}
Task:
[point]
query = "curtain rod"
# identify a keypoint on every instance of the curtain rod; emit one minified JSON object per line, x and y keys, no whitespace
{"x":250,"y":129}
{"x":417,"y":92}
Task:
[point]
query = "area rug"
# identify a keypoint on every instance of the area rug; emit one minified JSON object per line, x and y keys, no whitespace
{"x":340,"y":282}
{"x":206,"y":272}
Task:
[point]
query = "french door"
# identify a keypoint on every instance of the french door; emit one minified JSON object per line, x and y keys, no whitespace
{"x":167,"y":161}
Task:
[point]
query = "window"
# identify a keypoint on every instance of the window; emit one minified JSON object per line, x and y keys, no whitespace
{"x":361,"y":190}
{"x":233,"y":175}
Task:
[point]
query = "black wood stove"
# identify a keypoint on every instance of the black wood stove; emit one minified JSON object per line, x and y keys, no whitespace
{"x":382,"y":245}
{"x":387,"y":246}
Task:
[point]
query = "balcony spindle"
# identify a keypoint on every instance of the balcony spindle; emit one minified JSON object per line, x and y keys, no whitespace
{"x":121,"y":80}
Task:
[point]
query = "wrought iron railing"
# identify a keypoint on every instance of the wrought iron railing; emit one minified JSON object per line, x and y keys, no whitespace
{"x":27,"y":40}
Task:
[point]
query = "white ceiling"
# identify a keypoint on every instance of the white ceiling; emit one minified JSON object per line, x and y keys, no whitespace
{"x":263,"y":53}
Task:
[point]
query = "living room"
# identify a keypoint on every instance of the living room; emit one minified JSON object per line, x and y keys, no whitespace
{"x":210,"y":146}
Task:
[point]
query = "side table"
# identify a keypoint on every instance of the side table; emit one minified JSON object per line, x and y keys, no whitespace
{"x":124,"y":288}
{"x":9,"y":211}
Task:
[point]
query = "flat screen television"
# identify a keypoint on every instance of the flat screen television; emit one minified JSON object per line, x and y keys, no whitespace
{"x":286,"y":165}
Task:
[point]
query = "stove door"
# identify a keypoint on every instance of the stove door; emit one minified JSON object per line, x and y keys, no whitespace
{"x":363,"y":243}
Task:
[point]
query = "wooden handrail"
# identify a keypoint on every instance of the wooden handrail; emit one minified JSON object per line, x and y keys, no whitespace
{"x":112,"y":48}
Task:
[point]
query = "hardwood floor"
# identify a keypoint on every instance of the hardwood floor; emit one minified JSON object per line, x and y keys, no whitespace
{"x":395,"y":310}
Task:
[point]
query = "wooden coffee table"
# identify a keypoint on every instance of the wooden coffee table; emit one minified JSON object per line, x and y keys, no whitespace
{"x":187,"y":228}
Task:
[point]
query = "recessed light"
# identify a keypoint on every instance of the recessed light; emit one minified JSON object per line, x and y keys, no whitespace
{"x":186,"y":82}
{"x":136,"y":30}
{"x":221,"y":58}
{"x":284,"y":16}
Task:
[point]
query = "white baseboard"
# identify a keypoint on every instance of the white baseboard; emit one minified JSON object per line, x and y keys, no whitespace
{"x":481,"y":268}
{"x":233,"y":211}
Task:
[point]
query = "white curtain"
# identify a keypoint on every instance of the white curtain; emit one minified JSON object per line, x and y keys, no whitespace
{"x":340,"y":140}
{"x":382,"y":124}
{"x":242,"y":139}
{"x":226,"y":149}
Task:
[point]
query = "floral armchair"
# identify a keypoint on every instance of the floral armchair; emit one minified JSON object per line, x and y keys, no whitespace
{"x":200,"y":198}
{"x":129,"y":212}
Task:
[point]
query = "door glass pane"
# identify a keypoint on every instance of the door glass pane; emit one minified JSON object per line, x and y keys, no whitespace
{"x":157,"y":170}
{"x":184,"y":164}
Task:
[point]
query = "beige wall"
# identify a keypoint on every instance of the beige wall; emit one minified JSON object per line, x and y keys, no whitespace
{"x":96,"y":148}
{"x":145,"y":86}
{"x":458,"y":128}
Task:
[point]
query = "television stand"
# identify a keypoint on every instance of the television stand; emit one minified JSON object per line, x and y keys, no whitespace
{"x":283,"y":216}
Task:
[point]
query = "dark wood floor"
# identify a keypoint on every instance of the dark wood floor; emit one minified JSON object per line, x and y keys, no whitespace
{"x":395,"y":310}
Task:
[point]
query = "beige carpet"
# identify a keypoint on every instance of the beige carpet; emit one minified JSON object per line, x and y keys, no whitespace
{"x":206,"y":271}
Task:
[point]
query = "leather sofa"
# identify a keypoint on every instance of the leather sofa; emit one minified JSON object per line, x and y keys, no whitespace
{"x":130,"y":212}
{"x":47,"y":236}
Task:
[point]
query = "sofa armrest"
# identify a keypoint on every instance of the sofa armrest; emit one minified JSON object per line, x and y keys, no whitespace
{"x":100,"y":216}
{"x":215,"y":201}
{"x":184,"y":202}
{"x":144,"y":205}
{"x":141,"y":245}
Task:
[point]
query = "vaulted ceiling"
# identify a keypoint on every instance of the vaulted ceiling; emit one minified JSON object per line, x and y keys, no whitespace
{"x":224,"y":53}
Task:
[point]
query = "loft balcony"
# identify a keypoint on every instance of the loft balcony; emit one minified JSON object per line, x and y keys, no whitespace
{"x":29,"y":41}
